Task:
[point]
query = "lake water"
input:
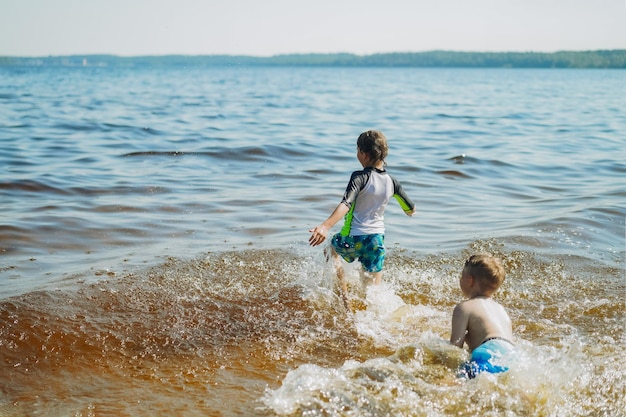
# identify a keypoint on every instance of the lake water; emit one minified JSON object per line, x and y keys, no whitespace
{"x":154,"y":226}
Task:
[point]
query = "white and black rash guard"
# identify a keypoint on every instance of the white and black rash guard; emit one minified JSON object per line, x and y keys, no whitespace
{"x":367,"y":195}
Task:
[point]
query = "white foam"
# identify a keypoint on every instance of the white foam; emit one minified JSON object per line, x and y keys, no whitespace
{"x":388,"y":320}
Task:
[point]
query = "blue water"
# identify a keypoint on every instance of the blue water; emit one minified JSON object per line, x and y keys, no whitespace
{"x":106,"y":173}
{"x":101,"y":163}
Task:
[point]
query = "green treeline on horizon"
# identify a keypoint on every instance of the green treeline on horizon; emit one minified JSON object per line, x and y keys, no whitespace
{"x":615,"y":59}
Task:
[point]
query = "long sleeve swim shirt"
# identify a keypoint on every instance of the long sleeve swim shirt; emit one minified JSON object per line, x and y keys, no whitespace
{"x":367,"y":196}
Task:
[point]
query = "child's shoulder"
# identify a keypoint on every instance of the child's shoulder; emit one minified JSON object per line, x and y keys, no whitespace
{"x":462,"y":306}
{"x":475,"y":304}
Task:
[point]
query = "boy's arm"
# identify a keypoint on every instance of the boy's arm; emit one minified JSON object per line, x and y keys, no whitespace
{"x":405,"y":202}
{"x":319,"y":233}
{"x":407,"y":205}
{"x":460,"y":320}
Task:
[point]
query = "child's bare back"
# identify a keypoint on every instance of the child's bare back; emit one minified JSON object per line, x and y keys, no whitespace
{"x":480,"y":321}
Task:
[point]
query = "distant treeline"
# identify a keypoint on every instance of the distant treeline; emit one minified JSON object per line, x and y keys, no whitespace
{"x":445,"y":59}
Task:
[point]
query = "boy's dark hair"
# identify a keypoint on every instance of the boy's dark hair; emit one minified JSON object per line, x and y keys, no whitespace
{"x":374,"y":144}
{"x":486,"y":269}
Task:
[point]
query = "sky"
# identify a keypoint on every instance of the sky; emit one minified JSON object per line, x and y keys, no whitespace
{"x":272,"y":27}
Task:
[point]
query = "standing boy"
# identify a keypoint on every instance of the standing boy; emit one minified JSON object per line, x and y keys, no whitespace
{"x":362,"y":207}
{"x":480,"y":321}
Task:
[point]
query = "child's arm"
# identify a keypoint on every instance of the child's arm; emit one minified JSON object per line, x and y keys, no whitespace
{"x":407,"y":206}
{"x":319,"y":233}
{"x":405,"y":202}
{"x":460,"y":321}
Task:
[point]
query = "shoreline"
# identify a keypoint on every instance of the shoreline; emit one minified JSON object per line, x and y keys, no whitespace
{"x":596,"y":59}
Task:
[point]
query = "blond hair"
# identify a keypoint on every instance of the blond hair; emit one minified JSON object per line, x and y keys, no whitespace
{"x":487,"y":270}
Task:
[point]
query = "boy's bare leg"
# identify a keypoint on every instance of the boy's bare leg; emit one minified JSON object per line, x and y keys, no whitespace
{"x":374,"y":277}
{"x":341,"y":276}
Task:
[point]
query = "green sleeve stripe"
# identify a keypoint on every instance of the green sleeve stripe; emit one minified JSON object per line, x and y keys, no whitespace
{"x":405,"y":206}
{"x":347,"y":223}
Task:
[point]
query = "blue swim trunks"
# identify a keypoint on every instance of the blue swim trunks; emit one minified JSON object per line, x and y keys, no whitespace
{"x":367,"y":249}
{"x":485,"y":358}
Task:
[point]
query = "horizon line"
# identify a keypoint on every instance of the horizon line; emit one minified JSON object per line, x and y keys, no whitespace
{"x":310,"y":53}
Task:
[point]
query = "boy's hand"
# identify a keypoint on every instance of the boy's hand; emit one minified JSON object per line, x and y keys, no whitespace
{"x":318,"y":235}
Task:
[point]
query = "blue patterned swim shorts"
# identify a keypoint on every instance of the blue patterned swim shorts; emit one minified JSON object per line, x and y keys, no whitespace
{"x":485,"y":358}
{"x":367,"y":249}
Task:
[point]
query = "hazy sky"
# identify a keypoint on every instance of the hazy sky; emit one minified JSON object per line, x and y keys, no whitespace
{"x":268,"y":27}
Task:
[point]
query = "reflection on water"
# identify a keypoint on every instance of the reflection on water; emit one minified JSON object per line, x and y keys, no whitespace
{"x":153,"y":229}
{"x":266,"y":330}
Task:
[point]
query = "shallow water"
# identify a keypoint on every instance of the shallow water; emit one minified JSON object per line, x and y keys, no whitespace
{"x":153,"y":230}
